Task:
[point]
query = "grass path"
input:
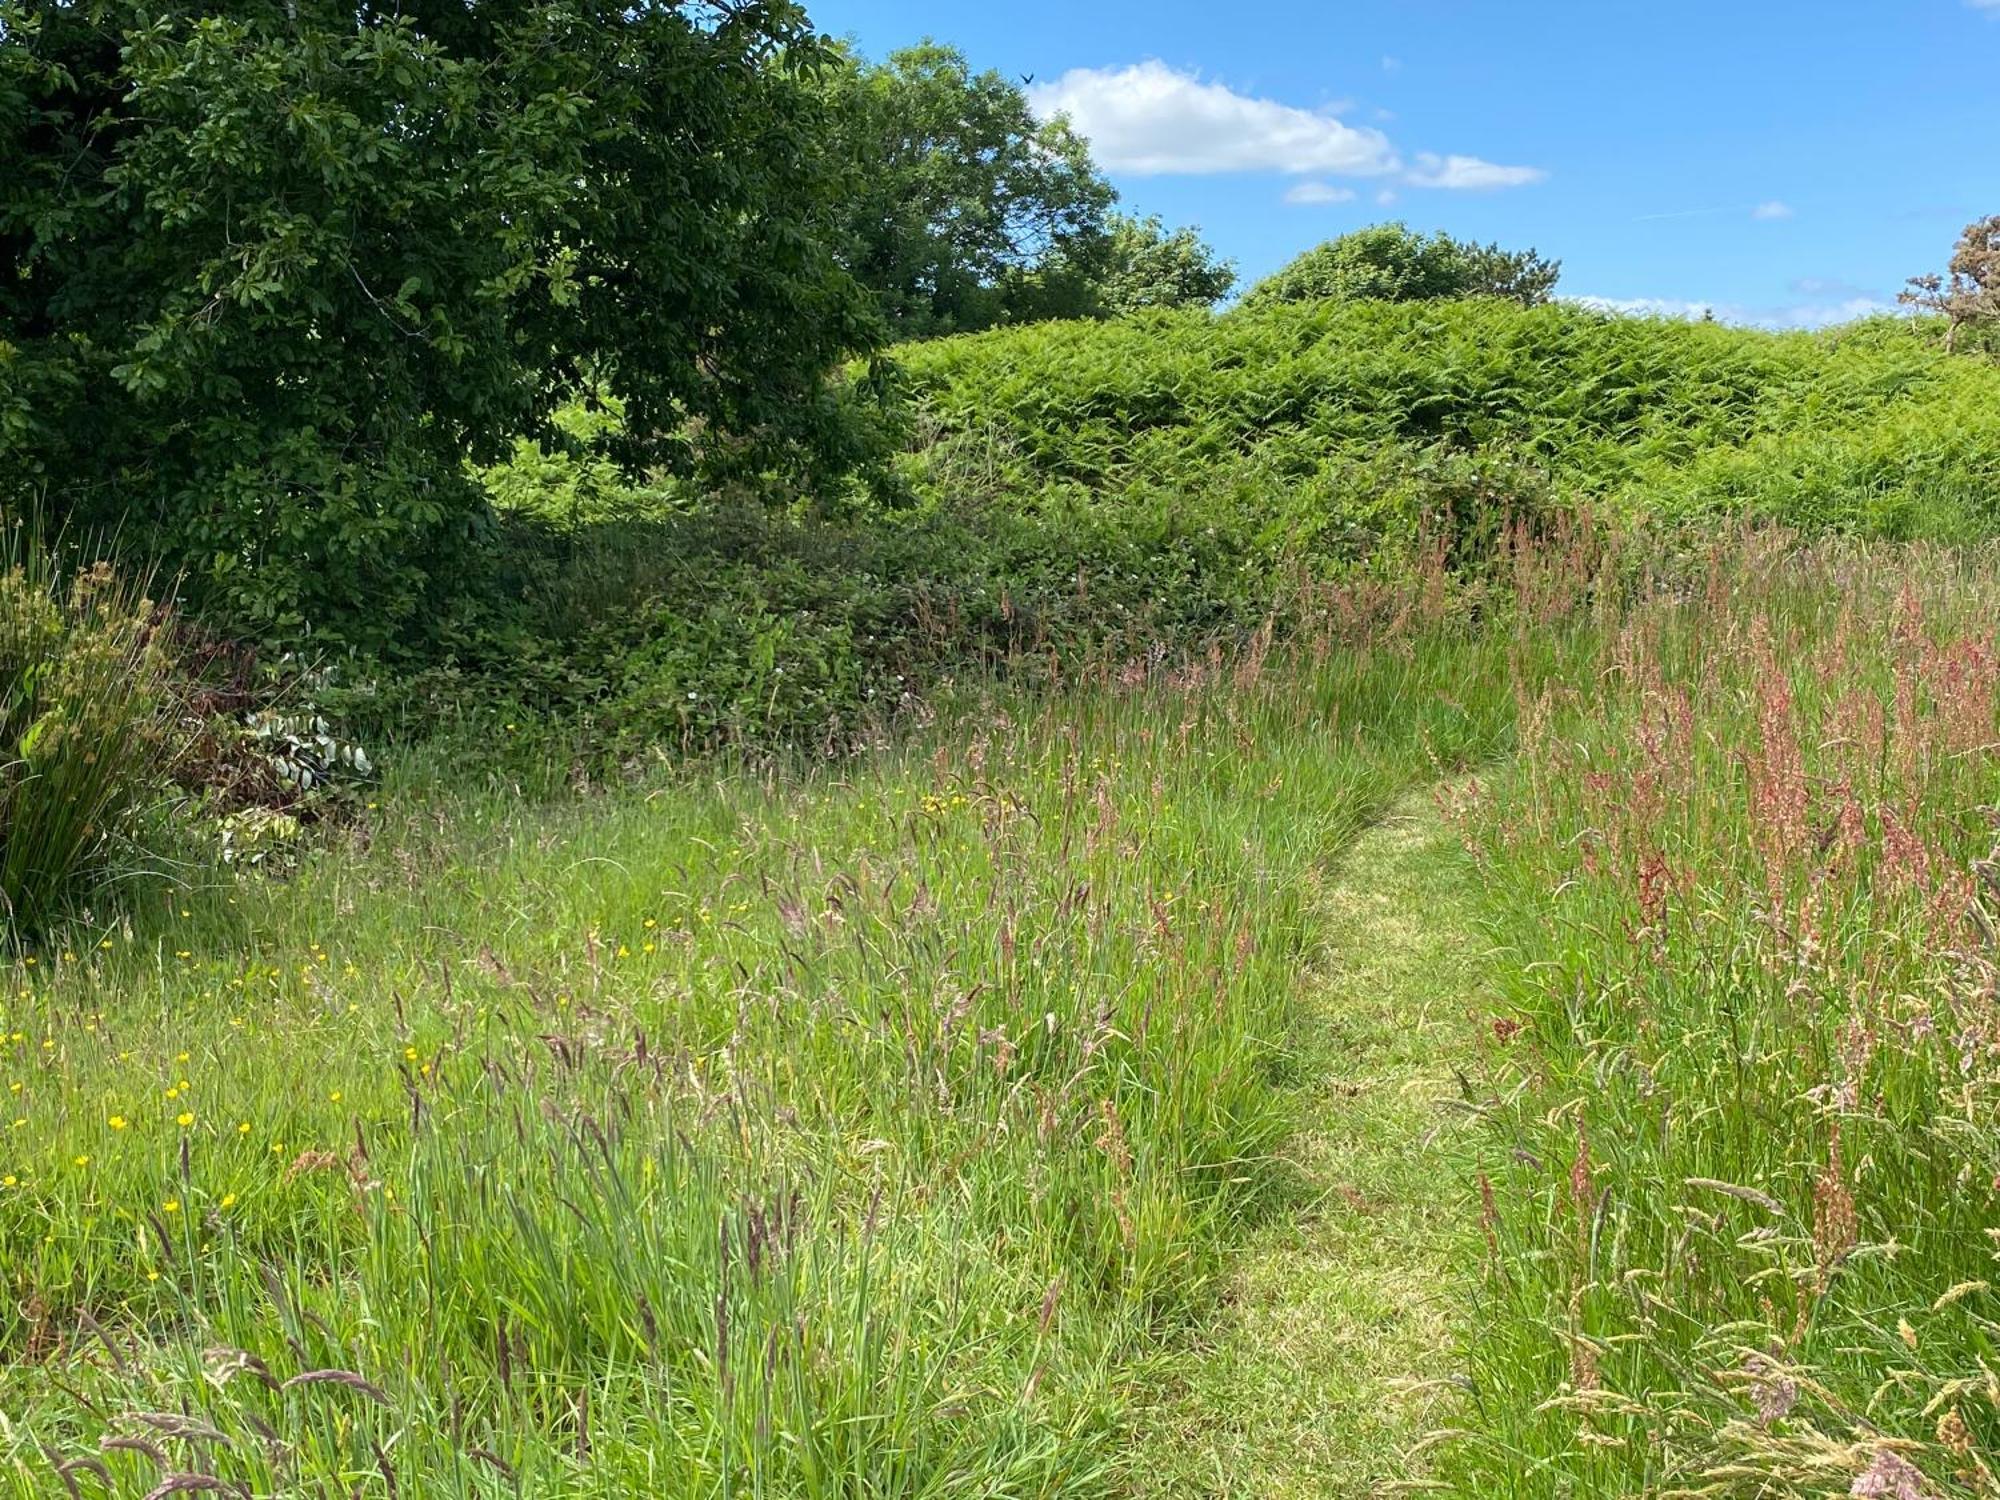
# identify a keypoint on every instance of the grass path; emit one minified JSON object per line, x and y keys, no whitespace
{"x":1312,"y":1379}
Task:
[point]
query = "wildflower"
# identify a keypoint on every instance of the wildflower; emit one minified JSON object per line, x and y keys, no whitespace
{"x":229,"y":1200}
{"x":182,"y":1058}
{"x":244,"y":1128}
{"x":410,"y":1053}
{"x":81,"y":1161}
{"x":116,"y":1122}
{"x":171,"y":1206}
{"x":184,"y":1119}
{"x":10,"y":1180}
{"x":152,"y":1275}
{"x":334,"y":1097}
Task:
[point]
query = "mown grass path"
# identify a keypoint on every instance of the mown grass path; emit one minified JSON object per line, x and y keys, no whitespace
{"x":1320,"y":1371}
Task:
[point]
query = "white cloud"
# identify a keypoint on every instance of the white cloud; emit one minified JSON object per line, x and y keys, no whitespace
{"x":1469,"y":172}
{"x":1771,"y":208}
{"x":1318,"y":192}
{"x":1149,"y":119}
{"x":1800,"y":315}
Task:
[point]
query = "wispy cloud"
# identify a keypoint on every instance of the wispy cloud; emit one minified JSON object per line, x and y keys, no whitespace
{"x":1812,"y":314}
{"x":1149,"y":119}
{"x":1318,"y":192}
{"x":1469,"y":172}
{"x":1770,"y":208}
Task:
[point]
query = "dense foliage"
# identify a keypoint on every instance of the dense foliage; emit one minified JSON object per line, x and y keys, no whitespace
{"x":961,"y":209}
{"x":1392,"y":263}
{"x":1737,"y":1177}
{"x":278,"y":268}
{"x":1075,"y":488}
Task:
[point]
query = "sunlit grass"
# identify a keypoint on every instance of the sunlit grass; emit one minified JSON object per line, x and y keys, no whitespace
{"x":849,"y":1131}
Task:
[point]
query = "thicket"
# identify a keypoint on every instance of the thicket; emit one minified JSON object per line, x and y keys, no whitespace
{"x":1149,"y":484}
{"x":278,"y":269}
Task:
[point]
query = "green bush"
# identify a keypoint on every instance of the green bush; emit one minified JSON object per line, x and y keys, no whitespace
{"x":83,"y":714}
{"x":1390,"y":262}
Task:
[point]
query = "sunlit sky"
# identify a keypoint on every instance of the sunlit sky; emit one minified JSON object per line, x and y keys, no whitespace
{"x":1779,"y":162}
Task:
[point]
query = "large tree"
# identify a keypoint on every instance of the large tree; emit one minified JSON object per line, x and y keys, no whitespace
{"x":962,"y":209}
{"x":274,"y":270}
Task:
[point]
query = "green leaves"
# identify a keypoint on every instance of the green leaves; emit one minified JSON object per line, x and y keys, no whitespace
{"x":295,"y":264}
{"x":1390,"y":263}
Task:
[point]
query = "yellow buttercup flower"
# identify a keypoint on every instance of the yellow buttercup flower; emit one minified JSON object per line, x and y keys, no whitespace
{"x":184,"y":1119}
{"x":229,"y":1200}
{"x":116,"y":1122}
{"x":171,"y":1206}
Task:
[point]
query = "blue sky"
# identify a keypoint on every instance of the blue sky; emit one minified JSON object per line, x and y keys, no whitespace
{"x":1781,"y":162}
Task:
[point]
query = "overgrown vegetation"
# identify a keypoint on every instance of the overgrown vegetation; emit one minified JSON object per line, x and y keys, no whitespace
{"x":847,"y":1132}
{"x":85,"y":707}
{"x":1072,"y":488}
{"x":819,"y":997}
{"x":1740,"y":1185}
{"x":279,"y":268}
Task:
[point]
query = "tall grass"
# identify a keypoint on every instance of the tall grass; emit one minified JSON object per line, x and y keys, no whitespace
{"x":846,"y":1133}
{"x":1743,"y":1178}
{"x":83,"y":698}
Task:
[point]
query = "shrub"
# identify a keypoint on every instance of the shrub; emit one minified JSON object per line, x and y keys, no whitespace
{"x":1392,"y":263}
{"x":83,"y":699}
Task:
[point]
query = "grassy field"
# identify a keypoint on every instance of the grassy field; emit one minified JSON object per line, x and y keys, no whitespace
{"x":855,"y":1131}
{"x":960,"y":1117}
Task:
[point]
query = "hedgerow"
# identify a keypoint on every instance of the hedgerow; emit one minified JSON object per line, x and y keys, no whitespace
{"x":1158,"y":482}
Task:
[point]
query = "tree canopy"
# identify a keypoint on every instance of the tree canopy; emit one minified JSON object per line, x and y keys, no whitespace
{"x":280,"y":268}
{"x":1968,"y":294}
{"x":1392,"y":263}
{"x":962,"y":210}
{"x":959,"y":203}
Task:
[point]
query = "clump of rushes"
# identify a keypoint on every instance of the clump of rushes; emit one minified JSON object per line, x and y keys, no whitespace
{"x":83,"y":693}
{"x":1745,"y":1181}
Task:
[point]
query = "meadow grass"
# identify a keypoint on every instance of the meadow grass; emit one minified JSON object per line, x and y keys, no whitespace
{"x":1741,"y":1180}
{"x":854,"y":1130}
{"x":886,"y":1126}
